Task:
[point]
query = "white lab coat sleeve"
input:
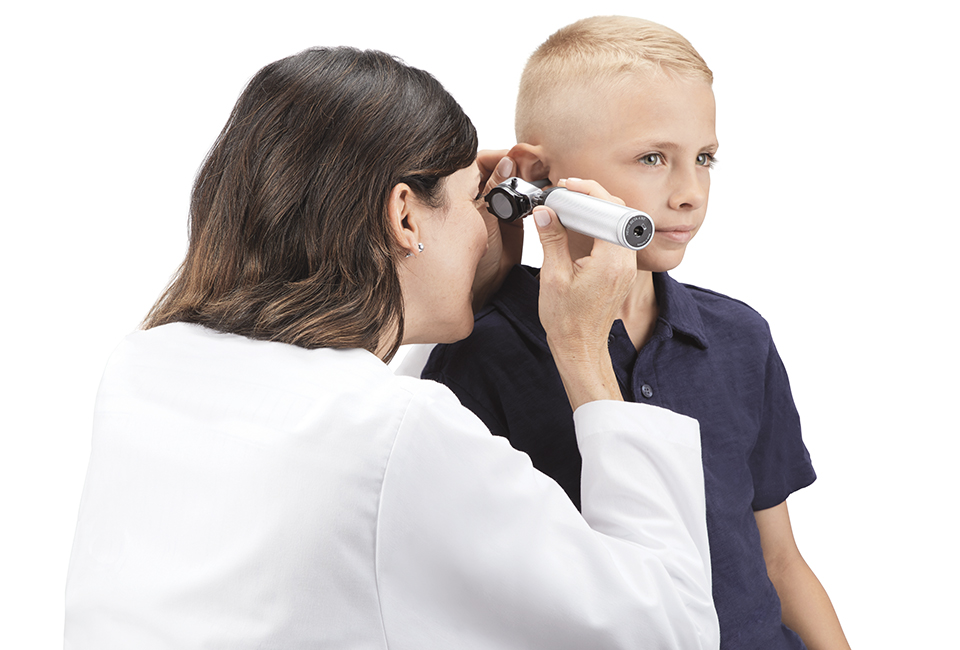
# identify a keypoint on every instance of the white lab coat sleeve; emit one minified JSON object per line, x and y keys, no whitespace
{"x":477,"y":549}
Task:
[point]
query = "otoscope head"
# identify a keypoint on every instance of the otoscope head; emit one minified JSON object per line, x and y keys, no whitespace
{"x":513,"y":199}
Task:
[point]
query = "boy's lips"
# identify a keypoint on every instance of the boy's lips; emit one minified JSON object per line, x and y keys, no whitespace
{"x":678,"y":234}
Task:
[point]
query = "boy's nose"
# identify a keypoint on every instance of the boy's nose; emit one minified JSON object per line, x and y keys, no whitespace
{"x":689,"y":190}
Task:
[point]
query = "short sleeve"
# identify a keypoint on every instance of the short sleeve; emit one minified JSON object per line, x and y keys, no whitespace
{"x":779,"y":463}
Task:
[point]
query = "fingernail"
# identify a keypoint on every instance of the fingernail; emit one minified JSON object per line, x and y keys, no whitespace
{"x":541,"y":216}
{"x":505,"y":167}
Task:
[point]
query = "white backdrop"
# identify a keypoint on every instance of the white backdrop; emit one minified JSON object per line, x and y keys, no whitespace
{"x":833,"y":212}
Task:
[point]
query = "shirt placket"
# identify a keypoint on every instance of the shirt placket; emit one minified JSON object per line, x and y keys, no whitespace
{"x":644,"y":382}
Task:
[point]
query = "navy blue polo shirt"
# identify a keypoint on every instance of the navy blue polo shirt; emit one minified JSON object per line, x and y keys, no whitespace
{"x":710,"y":357}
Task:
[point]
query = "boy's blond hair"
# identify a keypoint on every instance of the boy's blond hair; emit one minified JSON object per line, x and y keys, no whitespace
{"x":594,"y":55}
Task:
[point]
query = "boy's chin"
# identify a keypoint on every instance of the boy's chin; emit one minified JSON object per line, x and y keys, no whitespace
{"x":659,"y":263}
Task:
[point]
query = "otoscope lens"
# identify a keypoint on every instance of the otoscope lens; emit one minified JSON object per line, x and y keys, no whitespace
{"x":500,"y":204}
{"x":638,"y":231}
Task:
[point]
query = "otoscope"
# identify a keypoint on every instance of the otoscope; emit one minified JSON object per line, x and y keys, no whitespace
{"x":515,"y":198}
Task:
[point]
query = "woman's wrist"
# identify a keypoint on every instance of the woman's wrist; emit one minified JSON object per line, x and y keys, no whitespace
{"x":587,"y":375}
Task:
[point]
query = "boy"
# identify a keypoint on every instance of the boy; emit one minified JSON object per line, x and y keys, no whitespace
{"x":629,"y":103}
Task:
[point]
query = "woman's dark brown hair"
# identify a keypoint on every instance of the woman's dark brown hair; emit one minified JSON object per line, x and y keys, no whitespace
{"x":289,"y":239}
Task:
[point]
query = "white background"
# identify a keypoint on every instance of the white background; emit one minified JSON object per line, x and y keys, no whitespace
{"x":834,"y":213}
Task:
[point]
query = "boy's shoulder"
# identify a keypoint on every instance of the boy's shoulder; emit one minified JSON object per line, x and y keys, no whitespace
{"x":506,"y":328}
{"x":707,"y":317}
{"x":515,"y":306}
{"x":720,"y":306}
{"x":709,"y":296}
{"x":510,"y":325}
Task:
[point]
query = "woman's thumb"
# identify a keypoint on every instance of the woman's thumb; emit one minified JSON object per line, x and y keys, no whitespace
{"x":553,"y":237}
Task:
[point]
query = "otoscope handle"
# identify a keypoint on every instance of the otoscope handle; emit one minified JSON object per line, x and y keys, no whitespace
{"x":600,"y":219}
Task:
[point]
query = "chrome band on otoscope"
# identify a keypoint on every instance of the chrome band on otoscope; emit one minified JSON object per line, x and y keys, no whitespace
{"x":515,"y":198}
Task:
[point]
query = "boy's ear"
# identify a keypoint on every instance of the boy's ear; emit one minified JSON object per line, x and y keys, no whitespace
{"x":530,"y":162}
{"x":404,"y":213}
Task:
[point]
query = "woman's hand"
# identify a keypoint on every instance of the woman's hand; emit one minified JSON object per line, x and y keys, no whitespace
{"x":579,"y":300}
{"x":504,"y":240}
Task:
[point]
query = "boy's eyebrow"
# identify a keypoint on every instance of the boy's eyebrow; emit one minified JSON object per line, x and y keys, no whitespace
{"x":666,"y":144}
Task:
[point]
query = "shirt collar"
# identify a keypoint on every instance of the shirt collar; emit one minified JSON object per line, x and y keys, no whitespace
{"x":679,"y":309}
{"x":518,"y":301}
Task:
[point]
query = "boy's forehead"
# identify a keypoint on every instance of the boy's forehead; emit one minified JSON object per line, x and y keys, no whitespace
{"x":635,"y":106}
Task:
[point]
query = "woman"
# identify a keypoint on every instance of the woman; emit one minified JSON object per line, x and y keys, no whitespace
{"x":258,"y":477}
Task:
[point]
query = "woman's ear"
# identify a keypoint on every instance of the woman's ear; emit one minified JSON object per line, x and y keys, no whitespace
{"x":530,"y":163}
{"x":404,"y":213}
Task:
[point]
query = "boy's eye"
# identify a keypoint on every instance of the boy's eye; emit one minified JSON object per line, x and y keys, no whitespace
{"x":706,"y":160}
{"x":651,"y":159}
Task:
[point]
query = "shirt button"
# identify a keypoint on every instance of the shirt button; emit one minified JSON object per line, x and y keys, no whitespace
{"x":647,"y":391}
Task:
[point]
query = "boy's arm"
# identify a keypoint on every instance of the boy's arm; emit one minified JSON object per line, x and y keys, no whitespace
{"x":807,"y":609}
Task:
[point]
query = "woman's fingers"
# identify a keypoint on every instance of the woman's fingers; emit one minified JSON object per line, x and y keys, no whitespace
{"x":495,"y":167}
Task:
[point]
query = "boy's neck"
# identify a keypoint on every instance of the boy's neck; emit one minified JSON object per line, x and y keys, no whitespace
{"x":639,"y":311}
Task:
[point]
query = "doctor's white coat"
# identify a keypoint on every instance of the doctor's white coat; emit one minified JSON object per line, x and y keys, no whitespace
{"x":250,"y":495}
